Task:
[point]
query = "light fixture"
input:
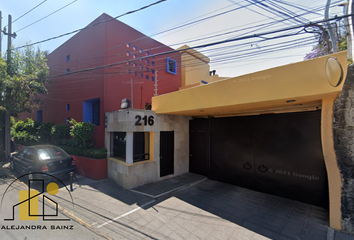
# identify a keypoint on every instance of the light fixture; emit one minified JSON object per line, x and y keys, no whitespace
{"x":125,"y":103}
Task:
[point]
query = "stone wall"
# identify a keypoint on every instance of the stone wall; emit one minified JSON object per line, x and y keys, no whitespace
{"x":136,"y":174}
{"x":343,"y":134}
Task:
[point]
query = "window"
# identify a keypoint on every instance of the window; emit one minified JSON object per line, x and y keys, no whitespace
{"x":67,"y":120}
{"x":153,"y":79}
{"x":141,"y":75}
{"x":128,"y":45}
{"x":129,"y":71}
{"x":22,"y":153}
{"x":135,"y":65}
{"x":136,"y":73}
{"x":147,"y":61}
{"x":128,"y":54}
{"x":96,"y":112}
{"x":31,"y":155}
{"x":119,"y":144}
{"x":67,"y":107}
{"x":40,"y":116}
{"x":153,"y":71}
{"x":135,"y":48}
{"x":52,"y":153}
{"x":147,"y":53}
{"x":141,"y":67}
{"x":171,"y":66}
{"x":134,"y":56}
{"x":147,"y":106}
{"x":67,"y":71}
{"x":128,"y":62}
{"x":67,"y":58}
{"x":147,"y":69}
{"x":91,"y":111}
{"x":152,"y":63}
{"x":141,"y":146}
{"x":147,"y":77}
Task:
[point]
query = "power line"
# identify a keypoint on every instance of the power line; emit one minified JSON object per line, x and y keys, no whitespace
{"x":259,"y":27}
{"x":47,"y":16}
{"x":75,"y":31}
{"x":29,"y":11}
{"x":260,"y":35}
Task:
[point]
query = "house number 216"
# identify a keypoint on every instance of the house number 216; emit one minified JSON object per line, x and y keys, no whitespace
{"x":147,"y":120}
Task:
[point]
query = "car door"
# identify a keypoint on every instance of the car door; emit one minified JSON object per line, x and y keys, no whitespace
{"x":29,"y":160}
{"x":20,"y":162}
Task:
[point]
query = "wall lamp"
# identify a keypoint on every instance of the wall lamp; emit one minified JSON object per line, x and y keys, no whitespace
{"x":125,"y":103}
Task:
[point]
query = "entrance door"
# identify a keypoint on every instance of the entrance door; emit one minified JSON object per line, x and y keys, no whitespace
{"x":280,"y":154}
{"x":198,"y":146}
{"x":166,"y":153}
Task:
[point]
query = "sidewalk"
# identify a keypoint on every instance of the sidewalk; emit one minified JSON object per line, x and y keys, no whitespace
{"x":190,"y":207}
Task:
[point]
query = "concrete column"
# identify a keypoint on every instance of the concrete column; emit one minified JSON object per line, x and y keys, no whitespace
{"x":129,"y":148}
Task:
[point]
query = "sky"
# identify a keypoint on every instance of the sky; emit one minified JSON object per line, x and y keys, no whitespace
{"x":236,"y":18}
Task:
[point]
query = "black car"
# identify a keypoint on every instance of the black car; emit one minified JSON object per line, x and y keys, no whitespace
{"x":47,"y":159}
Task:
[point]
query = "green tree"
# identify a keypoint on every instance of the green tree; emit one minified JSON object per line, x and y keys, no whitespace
{"x":22,"y":78}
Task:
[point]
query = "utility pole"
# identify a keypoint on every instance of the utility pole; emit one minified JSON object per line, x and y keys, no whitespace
{"x":7,"y":114}
{"x":329,"y":27}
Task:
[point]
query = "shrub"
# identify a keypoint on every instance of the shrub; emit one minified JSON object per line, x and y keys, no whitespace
{"x":90,"y":153}
{"x":60,"y":131}
{"x":82,"y":131}
{"x":44,"y":132}
{"x":25,"y":131}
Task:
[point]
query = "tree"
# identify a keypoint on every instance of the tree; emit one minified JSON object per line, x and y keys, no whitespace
{"x":22,"y":77}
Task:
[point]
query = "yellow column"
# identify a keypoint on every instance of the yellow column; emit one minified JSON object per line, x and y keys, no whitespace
{"x":333,"y":173}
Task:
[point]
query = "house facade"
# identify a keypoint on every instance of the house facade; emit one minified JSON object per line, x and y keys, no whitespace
{"x":101,"y":65}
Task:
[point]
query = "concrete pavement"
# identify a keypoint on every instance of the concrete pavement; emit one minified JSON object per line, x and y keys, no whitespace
{"x":190,"y":207}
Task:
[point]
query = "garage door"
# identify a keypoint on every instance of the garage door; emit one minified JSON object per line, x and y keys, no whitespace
{"x":280,"y":154}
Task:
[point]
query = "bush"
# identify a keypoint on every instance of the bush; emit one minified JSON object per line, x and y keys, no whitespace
{"x":60,"y":131}
{"x":90,"y":153}
{"x":82,"y":131}
{"x":25,"y":131}
{"x":44,"y":132}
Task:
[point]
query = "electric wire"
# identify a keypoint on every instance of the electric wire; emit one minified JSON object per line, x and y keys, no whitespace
{"x":46,"y":16}
{"x":270,"y":24}
{"x":90,"y":26}
{"x":29,"y":11}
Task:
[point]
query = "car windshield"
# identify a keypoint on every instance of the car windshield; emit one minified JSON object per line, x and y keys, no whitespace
{"x":51,"y":153}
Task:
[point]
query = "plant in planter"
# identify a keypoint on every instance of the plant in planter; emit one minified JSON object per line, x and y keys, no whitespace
{"x":82,"y":131}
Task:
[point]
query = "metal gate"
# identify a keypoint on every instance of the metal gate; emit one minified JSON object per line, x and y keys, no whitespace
{"x":166,"y":153}
{"x":280,"y":154}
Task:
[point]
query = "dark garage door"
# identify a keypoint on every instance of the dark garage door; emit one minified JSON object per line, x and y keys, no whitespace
{"x":279,"y":154}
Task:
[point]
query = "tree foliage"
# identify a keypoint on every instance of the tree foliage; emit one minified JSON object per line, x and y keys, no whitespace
{"x":81,"y":131}
{"x":22,"y":78}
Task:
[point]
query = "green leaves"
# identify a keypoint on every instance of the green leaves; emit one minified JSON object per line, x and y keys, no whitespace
{"x":81,"y":131}
{"x":22,"y":78}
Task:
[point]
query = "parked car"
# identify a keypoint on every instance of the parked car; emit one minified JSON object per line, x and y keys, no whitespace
{"x":47,"y":159}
